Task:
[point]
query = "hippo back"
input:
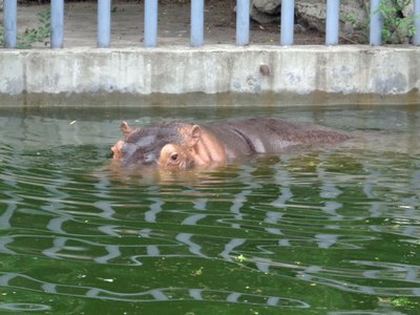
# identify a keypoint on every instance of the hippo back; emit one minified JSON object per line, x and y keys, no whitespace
{"x":269,"y":135}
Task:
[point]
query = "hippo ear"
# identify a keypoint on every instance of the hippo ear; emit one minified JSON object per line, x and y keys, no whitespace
{"x":125,"y":128}
{"x":195,"y":135}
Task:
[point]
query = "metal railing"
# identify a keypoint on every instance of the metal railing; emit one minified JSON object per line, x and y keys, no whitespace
{"x":197,"y":23}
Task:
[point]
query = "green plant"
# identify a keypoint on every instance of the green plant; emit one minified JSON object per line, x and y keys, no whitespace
{"x":397,"y":27}
{"x":39,"y":34}
{"x":355,"y":32}
{"x":33,"y":35}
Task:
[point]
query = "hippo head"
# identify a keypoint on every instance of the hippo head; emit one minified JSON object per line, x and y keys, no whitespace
{"x":167,"y":145}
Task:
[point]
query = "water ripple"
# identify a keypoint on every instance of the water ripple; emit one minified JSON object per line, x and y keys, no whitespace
{"x":171,"y":294}
{"x":325,"y":230}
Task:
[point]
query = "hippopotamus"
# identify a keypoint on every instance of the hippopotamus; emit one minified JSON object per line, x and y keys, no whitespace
{"x":185,"y":145}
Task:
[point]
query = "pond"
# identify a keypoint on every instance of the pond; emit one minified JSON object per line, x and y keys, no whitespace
{"x":322,"y":231}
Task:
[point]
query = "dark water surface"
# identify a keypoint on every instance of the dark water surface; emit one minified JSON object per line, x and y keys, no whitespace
{"x":321,"y":231}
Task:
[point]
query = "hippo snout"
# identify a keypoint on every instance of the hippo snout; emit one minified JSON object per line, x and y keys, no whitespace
{"x":133,"y":156}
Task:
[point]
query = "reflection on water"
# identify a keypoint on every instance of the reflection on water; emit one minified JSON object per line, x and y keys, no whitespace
{"x":332,"y":230}
{"x":152,"y":295}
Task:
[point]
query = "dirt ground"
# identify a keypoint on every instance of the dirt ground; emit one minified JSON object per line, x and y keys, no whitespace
{"x":174,"y":24}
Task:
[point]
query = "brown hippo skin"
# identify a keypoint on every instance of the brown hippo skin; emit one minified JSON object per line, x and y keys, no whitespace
{"x":179,"y":145}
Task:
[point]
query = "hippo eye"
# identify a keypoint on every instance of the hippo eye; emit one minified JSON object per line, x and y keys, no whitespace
{"x":174,"y":156}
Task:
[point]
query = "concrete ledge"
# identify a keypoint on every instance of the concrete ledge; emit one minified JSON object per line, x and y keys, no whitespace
{"x":213,"y":69}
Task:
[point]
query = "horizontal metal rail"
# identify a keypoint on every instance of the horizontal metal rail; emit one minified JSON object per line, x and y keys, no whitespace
{"x":332,"y":30}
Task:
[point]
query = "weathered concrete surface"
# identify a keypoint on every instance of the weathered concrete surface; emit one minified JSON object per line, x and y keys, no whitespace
{"x":213,"y":69}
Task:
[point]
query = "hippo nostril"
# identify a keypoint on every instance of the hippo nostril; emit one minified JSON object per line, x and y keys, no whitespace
{"x":149,"y":158}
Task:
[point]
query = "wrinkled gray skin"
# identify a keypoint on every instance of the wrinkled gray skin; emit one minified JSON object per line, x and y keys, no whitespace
{"x":143,"y":146}
{"x":240,"y":138}
{"x":269,"y":135}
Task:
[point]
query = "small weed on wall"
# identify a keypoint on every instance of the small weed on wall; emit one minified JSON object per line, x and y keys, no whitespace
{"x":40,"y":34}
{"x":398,"y":29}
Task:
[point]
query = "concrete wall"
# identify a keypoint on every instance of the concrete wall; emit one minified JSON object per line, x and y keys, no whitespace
{"x":213,"y":69}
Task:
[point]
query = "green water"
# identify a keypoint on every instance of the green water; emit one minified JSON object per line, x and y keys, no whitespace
{"x":320,"y":231}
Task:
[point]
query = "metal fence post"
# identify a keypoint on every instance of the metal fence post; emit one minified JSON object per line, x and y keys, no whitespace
{"x":376,"y":23}
{"x":417,"y":22}
{"x":57,"y":23}
{"x":287,"y":22}
{"x":242,"y":22}
{"x":197,"y":23}
{"x":104,"y":23}
{"x":9,"y":22}
{"x":150,"y":22}
{"x":333,"y":22}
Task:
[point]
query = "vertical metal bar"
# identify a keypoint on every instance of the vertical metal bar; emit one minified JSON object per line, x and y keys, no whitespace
{"x":417,"y":22}
{"x":197,"y":23}
{"x":104,"y":23}
{"x":57,"y":23}
{"x":287,"y":22}
{"x":9,"y":22}
{"x":150,"y":22}
{"x":333,"y":23}
{"x":376,"y":23}
{"x":242,"y":22}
